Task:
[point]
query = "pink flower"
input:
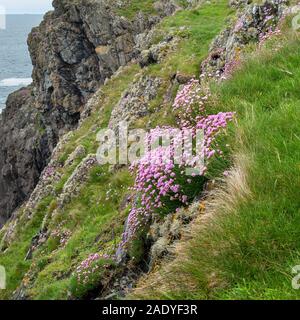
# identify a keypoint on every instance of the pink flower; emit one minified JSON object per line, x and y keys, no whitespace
{"x":159,"y":178}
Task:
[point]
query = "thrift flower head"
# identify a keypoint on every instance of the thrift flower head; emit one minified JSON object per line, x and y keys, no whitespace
{"x":161,"y":183}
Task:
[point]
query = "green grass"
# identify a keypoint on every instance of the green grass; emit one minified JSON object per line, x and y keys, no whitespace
{"x":132,"y":7}
{"x":196,"y":28}
{"x":111,"y":94}
{"x":14,"y":257}
{"x":248,"y":253}
{"x":96,"y":225}
{"x":90,"y":217}
{"x":96,"y":222}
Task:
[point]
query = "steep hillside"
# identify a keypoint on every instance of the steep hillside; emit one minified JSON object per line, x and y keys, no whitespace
{"x":85,"y":233}
{"x":74,"y":50}
{"x":246,"y":244}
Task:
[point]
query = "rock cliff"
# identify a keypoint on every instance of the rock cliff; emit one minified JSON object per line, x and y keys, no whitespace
{"x":76,"y":237}
{"x":74,"y":50}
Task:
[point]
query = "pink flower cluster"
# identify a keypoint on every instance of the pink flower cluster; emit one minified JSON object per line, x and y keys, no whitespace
{"x":230,"y":67}
{"x":272,"y":25}
{"x":239,"y":25}
{"x":268,"y":35}
{"x":161,"y":179}
{"x":88,"y":267}
{"x":156,"y":179}
{"x":190,"y":101}
{"x":138,"y":218}
{"x":212,"y":126}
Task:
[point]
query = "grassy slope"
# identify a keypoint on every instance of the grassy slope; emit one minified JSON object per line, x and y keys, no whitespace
{"x":253,"y":241}
{"x":196,"y":28}
{"x":95,"y":222}
{"x":89,"y":216}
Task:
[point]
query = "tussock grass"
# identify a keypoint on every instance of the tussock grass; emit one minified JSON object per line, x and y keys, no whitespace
{"x":248,"y":249}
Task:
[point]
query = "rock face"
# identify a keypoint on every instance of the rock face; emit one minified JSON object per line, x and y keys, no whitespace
{"x":255,"y":22}
{"x":24,"y":148}
{"x":74,"y":50}
{"x":135,"y":101}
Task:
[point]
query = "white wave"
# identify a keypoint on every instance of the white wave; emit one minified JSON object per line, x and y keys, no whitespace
{"x":15,"y":82}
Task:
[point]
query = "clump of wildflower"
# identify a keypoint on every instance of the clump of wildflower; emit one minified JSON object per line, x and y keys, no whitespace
{"x":239,"y":25}
{"x":161,"y":181}
{"x":89,"y":266}
{"x":230,"y":67}
{"x":191,"y":101}
{"x":268,"y":35}
{"x":90,"y":274}
{"x":212,"y":125}
{"x":137,"y":219}
{"x":272,"y":20}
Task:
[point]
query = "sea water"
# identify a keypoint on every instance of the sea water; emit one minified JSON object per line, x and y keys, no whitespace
{"x":15,"y":62}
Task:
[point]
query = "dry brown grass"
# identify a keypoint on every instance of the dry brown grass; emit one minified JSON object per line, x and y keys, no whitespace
{"x":223,"y":199}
